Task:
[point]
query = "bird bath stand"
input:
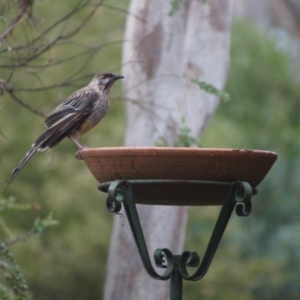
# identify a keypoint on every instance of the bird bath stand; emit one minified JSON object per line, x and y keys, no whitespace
{"x":178,"y":176}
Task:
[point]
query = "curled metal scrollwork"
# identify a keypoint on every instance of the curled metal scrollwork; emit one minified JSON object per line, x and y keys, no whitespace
{"x":242,"y":196}
{"x":188,"y":259}
{"x":113,"y":206}
{"x":114,"y":198}
{"x":164,"y":259}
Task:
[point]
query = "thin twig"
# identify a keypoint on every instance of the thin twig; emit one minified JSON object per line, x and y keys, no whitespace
{"x":27,"y":106}
{"x":124,"y":11}
{"x":14,"y":24}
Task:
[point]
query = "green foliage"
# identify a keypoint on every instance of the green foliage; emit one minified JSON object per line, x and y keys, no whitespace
{"x":14,"y":285}
{"x":11,"y":204}
{"x":175,"y":5}
{"x":212,"y":90}
{"x":13,"y":276}
{"x":183,"y":137}
{"x":161,"y":142}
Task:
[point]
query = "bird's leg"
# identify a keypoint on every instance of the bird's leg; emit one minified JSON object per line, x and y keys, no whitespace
{"x":79,"y":145}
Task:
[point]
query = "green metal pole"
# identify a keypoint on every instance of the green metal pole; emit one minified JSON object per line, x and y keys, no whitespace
{"x":176,"y":281}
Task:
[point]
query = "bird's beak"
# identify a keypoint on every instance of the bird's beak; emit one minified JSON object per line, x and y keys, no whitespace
{"x":118,"y":77}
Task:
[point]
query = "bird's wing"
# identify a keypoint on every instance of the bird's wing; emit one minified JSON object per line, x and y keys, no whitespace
{"x":79,"y":104}
{"x":67,"y":117}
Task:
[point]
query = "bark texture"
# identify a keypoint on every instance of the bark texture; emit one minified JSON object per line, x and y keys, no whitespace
{"x":161,"y":55}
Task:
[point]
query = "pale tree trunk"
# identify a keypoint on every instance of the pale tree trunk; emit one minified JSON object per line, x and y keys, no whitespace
{"x":161,"y":56}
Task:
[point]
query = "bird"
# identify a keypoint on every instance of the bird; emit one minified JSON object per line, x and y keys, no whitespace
{"x":75,"y":116}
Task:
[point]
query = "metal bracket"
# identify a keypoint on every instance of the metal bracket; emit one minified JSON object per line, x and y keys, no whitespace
{"x":238,"y":197}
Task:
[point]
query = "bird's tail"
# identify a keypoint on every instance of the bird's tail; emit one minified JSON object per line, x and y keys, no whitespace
{"x":35,"y":147}
{"x":48,"y":139}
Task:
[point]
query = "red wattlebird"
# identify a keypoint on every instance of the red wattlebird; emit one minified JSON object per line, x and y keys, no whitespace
{"x":75,"y":116}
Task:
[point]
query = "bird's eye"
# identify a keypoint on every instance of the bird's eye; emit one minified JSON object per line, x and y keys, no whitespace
{"x":105,"y":80}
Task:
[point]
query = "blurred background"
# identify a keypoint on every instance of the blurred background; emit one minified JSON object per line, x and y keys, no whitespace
{"x":258,"y":257}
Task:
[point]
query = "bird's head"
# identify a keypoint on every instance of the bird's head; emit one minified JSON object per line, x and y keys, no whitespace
{"x":105,"y":80}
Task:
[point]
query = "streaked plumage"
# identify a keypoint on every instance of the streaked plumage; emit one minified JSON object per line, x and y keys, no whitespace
{"x":75,"y":116}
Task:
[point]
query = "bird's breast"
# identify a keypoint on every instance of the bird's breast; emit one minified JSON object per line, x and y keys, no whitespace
{"x":96,"y":115}
{"x":87,"y":126}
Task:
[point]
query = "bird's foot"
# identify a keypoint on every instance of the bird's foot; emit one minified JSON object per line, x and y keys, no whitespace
{"x":78,"y":154}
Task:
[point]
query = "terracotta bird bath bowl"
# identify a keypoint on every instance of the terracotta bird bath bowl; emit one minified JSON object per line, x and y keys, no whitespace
{"x":169,"y":176}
